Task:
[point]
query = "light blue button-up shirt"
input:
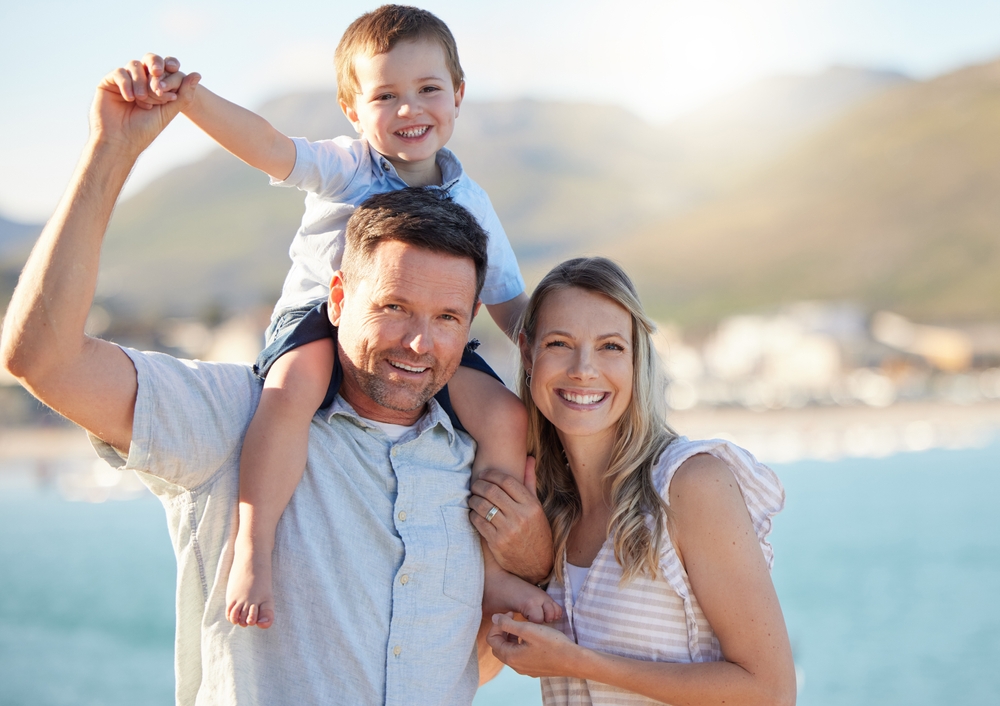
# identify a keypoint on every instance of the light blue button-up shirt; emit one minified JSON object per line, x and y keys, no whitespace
{"x":378,"y":573}
{"x":339,"y":175}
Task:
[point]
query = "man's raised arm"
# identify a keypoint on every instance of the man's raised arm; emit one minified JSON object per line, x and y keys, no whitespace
{"x":89,"y":381}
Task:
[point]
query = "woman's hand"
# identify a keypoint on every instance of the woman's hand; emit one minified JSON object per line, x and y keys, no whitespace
{"x":518,"y":533}
{"x":533,"y":650}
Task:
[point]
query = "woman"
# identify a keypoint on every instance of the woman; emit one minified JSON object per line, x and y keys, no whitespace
{"x":661,"y":560}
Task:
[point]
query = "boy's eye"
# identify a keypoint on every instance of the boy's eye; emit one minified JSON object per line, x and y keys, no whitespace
{"x":384,"y":97}
{"x":430,"y":89}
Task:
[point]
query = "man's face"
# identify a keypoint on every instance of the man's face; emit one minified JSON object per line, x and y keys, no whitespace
{"x":403,"y":325}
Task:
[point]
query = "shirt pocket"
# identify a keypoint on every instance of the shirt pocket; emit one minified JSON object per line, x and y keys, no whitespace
{"x":463,"y":569}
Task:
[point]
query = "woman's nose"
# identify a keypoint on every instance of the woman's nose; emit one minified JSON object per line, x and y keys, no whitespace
{"x":583,"y":366}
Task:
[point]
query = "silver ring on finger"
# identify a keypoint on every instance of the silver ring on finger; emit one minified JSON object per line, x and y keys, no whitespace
{"x":492,"y":513}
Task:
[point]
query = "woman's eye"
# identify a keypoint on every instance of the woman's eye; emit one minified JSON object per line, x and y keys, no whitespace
{"x":614,"y":347}
{"x":554,"y":344}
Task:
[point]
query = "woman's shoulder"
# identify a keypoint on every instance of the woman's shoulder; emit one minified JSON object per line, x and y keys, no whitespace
{"x":706,"y":466}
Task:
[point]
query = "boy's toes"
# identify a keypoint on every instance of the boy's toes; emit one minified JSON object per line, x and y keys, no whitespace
{"x":534,"y":613}
{"x":252,"y":614}
{"x":552,"y":610}
{"x":265,"y":617}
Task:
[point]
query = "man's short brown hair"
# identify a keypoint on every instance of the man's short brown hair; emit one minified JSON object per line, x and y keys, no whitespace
{"x":424,"y":217}
{"x":378,"y":31}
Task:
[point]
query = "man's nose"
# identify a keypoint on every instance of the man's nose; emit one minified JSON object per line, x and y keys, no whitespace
{"x":419,"y":338}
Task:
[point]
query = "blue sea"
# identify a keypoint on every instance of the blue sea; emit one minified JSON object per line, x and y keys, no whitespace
{"x":888,"y":571}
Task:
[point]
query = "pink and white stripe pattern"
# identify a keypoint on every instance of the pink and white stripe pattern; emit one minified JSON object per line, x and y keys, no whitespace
{"x":657,"y":620}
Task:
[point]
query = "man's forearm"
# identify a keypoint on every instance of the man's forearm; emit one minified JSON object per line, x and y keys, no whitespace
{"x":47,"y":312}
{"x":44,"y":345}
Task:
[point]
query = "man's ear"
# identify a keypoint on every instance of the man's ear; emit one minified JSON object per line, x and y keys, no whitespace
{"x":336,"y":300}
{"x":352,"y":114}
{"x":475,"y":309}
{"x":459,"y":96}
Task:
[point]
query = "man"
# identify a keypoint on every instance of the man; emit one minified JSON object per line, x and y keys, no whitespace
{"x":379,"y":570}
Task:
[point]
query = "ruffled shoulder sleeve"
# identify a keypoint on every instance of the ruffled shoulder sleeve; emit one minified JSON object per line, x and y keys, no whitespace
{"x":762,"y":491}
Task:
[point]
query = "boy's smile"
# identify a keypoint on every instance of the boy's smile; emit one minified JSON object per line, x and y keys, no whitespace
{"x":407,"y":107}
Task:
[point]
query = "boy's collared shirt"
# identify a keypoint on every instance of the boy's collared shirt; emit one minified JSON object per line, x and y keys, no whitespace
{"x":339,"y":175}
{"x":378,"y":572}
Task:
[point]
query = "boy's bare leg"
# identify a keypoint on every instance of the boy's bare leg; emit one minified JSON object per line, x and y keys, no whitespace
{"x":271,"y":465}
{"x":496,"y":419}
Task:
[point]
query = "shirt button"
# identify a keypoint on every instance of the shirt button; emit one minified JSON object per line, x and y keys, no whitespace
{"x":402,"y":515}
{"x":404,"y":579}
{"x":396,"y":650}
{"x":385,"y":166}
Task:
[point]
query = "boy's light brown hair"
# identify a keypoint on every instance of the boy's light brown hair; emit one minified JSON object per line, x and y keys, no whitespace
{"x":378,"y":31}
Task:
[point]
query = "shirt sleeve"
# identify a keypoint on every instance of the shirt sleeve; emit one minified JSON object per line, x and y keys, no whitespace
{"x":503,"y":276}
{"x":189,"y":421}
{"x":325,"y":168}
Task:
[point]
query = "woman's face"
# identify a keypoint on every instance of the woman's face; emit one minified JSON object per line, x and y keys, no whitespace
{"x":581,"y":362}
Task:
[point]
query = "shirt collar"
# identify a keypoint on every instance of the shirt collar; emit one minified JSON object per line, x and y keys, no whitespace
{"x":431,"y":417}
{"x":451,"y":168}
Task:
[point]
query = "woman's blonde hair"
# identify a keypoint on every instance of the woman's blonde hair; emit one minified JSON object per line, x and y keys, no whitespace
{"x":637,"y":512}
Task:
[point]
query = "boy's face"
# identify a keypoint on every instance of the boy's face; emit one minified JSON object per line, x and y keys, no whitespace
{"x":407,"y":104}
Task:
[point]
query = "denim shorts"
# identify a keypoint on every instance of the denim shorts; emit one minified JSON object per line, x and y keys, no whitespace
{"x":297,"y":327}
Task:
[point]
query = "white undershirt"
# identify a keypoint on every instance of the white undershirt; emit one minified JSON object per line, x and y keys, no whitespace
{"x":393,"y":431}
{"x":577,"y":575}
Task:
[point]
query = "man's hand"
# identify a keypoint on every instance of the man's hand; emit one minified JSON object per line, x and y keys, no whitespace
{"x":518,"y":533}
{"x":136,"y":102}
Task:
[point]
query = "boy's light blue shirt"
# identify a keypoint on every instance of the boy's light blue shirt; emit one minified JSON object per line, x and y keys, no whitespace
{"x":378,"y":573}
{"x":339,"y":175}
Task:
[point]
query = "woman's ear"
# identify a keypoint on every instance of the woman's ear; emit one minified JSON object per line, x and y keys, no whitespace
{"x":525,"y":348}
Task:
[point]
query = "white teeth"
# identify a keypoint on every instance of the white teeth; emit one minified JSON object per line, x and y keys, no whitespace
{"x":413,"y":132}
{"x":407,"y":368}
{"x":582,"y":399}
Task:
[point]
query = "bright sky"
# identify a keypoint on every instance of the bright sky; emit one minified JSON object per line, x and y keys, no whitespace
{"x":657,"y":57}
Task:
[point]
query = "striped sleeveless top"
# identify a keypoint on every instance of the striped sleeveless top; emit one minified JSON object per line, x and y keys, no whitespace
{"x":656,"y":620}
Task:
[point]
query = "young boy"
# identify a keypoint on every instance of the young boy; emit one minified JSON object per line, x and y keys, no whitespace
{"x":400,"y":84}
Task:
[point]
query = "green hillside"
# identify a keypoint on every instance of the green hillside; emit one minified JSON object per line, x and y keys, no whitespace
{"x":894,"y":205}
{"x":564,"y":178}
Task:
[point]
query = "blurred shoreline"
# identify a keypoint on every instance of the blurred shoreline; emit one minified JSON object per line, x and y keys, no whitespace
{"x":777,"y":436}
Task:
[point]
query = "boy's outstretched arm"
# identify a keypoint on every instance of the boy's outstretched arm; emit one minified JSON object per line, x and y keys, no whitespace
{"x":507,"y":314}
{"x":242,"y":132}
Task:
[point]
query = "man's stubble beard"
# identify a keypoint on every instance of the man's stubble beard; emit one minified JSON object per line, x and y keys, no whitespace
{"x":399,"y":397}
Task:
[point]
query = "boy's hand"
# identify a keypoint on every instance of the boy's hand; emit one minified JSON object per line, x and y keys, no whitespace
{"x":151,"y":82}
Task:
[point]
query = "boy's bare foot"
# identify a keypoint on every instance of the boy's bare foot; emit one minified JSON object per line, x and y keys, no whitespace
{"x":505,"y":592}
{"x":249,"y":596}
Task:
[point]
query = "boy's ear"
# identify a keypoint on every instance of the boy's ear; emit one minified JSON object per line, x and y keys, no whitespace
{"x":352,"y":114}
{"x":459,"y":96}
{"x":335,"y":304}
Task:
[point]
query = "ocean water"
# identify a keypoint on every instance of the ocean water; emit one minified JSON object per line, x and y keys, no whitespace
{"x":888,"y":572}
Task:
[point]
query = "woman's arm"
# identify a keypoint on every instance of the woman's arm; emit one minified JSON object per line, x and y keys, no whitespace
{"x":712,"y":532}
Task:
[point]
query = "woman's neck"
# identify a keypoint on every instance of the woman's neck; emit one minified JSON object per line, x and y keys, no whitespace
{"x":589,"y":458}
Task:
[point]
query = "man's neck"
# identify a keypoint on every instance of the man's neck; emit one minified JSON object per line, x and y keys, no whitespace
{"x":367,"y":408}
